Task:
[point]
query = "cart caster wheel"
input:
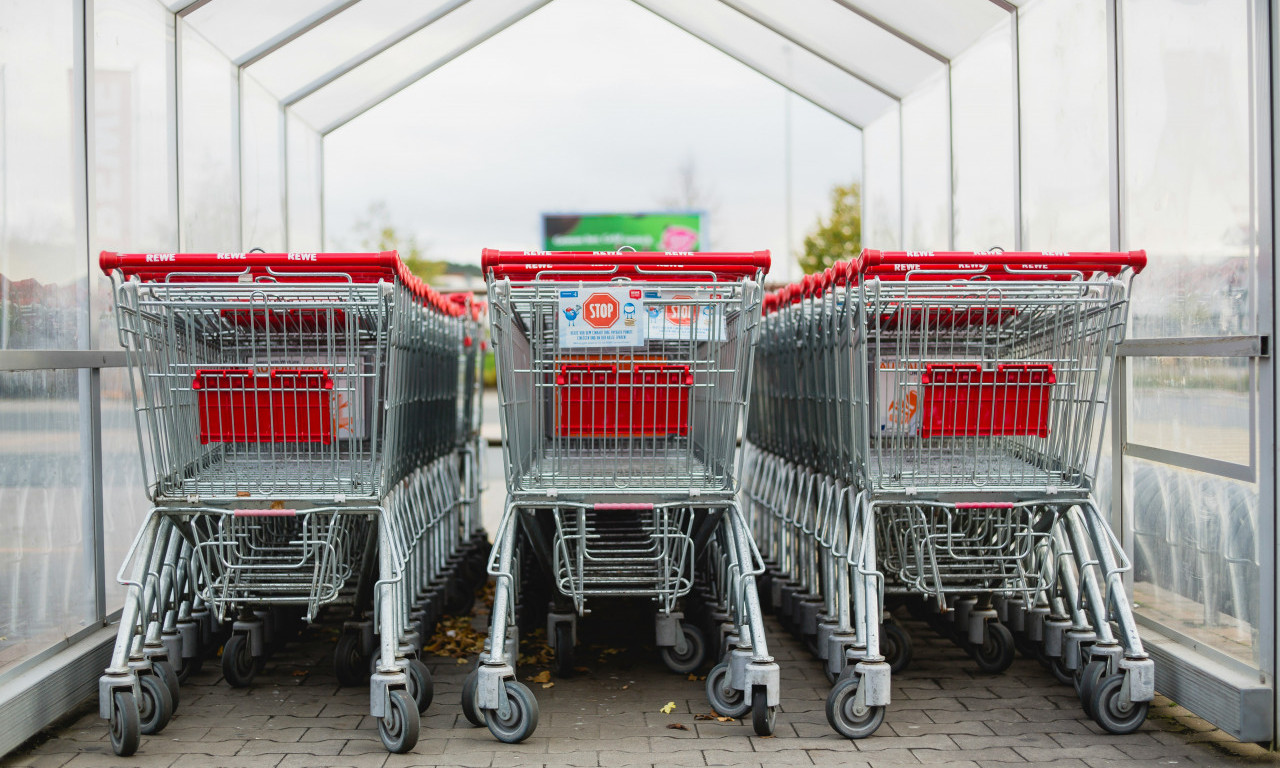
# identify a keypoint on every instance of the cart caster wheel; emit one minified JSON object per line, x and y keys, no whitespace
{"x":845,"y":715}
{"x":728,"y":702}
{"x":695,"y":651}
{"x":522,"y":715}
{"x":191,"y":665}
{"x":1027,"y":647}
{"x":421,"y":687}
{"x":169,"y":675}
{"x":895,"y":645}
{"x":1113,"y":713}
{"x":1087,"y":683}
{"x":238,"y":664}
{"x":996,"y":654}
{"x":1058,"y":667}
{"x":155,"y":707}
{"x":564,"y":649}
{"x":125,"y":726}
{"x":399,"y":727}
{"x":763,"y":716}
{"x":349,"y":662}
{"x":469,"y":708}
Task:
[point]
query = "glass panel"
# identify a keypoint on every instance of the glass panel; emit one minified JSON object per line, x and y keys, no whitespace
{"x":855,"y":43}
{"x":46,"y":573}
{"x":982,"y":121}
{"x":1062,"y":79}
{"x":208,"y":135}
{"x":305,"y":168}
{"x":926,"y":164}
{"x":43,"y":271}
{"x":882,"y":183}
{"x":1188,"y":166}
{"x":806,"y":74}
{"x":124,"y":494}
{"x":262,"y":168}
{"x":341,"y":40}
{"x":1196,"y":405}
{"x":238,"y":27}
{"x":135,"y":146}
{"x":1196,"y":552}
{"x":946,"y":26}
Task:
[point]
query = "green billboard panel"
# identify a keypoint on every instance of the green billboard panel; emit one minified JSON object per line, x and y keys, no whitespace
{"x":680,"y":231}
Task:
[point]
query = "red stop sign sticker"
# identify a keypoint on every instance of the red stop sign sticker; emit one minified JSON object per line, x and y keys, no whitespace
{"x":681,"y":314}
{"x":600,"y":310}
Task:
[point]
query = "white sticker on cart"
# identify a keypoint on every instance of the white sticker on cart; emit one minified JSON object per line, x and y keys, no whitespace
{"x":898,"y":401}
{"x":601,"y":317}
{"x":685,"y":316}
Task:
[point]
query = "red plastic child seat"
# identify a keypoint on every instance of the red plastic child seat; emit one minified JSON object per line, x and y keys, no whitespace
{"x":287,"y":405}
{"x":963,"y":400}
{"x":598,"y":400}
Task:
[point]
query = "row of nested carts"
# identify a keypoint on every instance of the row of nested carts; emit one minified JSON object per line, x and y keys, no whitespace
{"x":923,"y":432}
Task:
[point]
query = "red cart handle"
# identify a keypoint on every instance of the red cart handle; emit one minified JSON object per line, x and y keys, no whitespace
{"x":638,"y":265}
{"x":283,"y":267}
{"x":1007,"y":265}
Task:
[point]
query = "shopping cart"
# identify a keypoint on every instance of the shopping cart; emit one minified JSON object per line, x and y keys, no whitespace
{"x":297,"y":424}
{"x":622,"y":379}
{"x":972,"y":391}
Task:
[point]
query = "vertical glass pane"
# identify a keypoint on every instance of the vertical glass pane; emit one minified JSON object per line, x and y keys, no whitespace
{"x":882,"y":183}
{"x":124,"y":495}
{"x":208,"y":130}
{"x":46,"y":573}
{"x":926,"y":168}
{"x":305,"y":158}
{"x":982,"y":122}
{"x":43,"y":270}
{"x":1196,"y":551}
{"x":1189,"y":154}
{"x":262,"y":168}
{"x":1196,"y":405}
{"x":1062,"y":80}
{"x":135,"y":145}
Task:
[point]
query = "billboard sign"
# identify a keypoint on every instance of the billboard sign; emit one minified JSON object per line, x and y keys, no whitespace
{"x":672,"y":231}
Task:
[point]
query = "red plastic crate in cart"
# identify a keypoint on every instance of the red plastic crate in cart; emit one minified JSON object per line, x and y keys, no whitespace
{"x":287,"y":405}
{"x":598,"y":400}
{"x":964,"y":400}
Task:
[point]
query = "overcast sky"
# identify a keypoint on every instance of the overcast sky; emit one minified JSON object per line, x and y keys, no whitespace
{"x":585,"y":106}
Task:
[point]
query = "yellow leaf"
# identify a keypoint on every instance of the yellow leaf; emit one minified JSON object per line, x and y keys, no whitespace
{"x":462,"y":661}
{"x":547,"y":685}
{"x":669,"y":708}
{"x":724,"y":719}
{"x":542,"y":677}
{"x":693,"y":677}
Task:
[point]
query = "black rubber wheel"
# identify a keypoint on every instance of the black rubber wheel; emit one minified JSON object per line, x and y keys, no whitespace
{"x":398,"y":728}
{"x":191,"y":665}
{"x":995,"y":655}
{"x":125,"y":729}
{"x":1113,"y":714}
{"x":895,"y":646}
{"x":763,"y":716}
{"x":728,"y":702}
{"x":155,"y":707}
{"x":238,"y":664}
{"x":1058,"y":666}
{"x":1087,"y":682}
{"x":349,"y":662}
{"x":169,"y":675}
{"x":564,"y":649}
{"x":421,"y":686}
{"x":469,"y":708}
{"x":1026,"y":646}
{"x":522,"y":715}
{"x":846,"y":717}
{"x":695,"y":651}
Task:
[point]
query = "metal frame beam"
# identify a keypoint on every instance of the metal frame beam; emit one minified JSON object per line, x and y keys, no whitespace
{"x":903,"y":36}
{"x":294,"y":32}
{"x":772,"y":27}
{"x":372,"y":51}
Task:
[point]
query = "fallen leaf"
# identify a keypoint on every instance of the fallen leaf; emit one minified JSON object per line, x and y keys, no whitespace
{"x":625,"y":687}
{"x":542,"y":677}
{"x":669,"y":707}
{"x":462,"y":661}
{"x":693,"y":677}
{"x":547,"y":685}
{"x":677,"y":726}
{"x":704,"y":717}
{"x":770,"y":736}
{"x":724,"y":719}
{"x":581,"y":669}
{"x":301,"y":672}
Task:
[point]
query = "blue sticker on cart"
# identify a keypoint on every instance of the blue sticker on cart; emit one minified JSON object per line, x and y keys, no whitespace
{"x":608,"y":317}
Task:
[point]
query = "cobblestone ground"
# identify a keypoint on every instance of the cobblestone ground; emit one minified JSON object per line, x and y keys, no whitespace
{"x":944,"y":714}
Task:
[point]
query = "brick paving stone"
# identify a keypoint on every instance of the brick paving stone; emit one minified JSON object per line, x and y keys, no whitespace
{"x":334,"y":761}
{"x":236,"y":761}
{"x":470,"y":760}
{"x":34,"y":760}
{"x":969,"y":727}
{"x":109,"y":760}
